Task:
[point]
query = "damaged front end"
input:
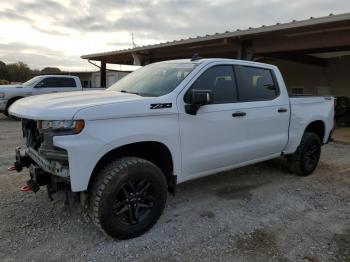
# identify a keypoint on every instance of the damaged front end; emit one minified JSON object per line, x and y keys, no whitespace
{"x":48,"y":165}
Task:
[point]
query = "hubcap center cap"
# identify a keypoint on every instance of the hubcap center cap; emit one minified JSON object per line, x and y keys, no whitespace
{"x":133,"y":199}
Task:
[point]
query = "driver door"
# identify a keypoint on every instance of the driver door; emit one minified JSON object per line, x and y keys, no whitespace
{"x":213,"y":139}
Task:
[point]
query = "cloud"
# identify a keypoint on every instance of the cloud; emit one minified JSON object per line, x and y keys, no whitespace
{"x":175,"y":19}
{"x":47,"y":33}
{"x":38,"y":56}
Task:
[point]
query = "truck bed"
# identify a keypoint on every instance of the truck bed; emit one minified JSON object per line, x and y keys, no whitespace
{"x":302,"y":99}
{"x":306,"y":109}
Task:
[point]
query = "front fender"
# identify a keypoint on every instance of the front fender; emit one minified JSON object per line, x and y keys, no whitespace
{"x":102,"y":136}
{"x":123,"y":131}
{"x":83,"y":154}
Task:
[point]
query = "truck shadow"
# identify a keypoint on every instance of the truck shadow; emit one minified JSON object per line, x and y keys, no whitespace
{"x":5,"y":119}
{"x":238,"y":183}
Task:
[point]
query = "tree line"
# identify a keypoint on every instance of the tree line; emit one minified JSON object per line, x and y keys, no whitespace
{"x":21,"y":72}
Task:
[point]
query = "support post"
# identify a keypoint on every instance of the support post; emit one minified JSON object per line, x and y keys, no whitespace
{"x":137,"y":59}
{"x":141,"y":59}
{"x":103,"y":76}
{"x":245,"y":51}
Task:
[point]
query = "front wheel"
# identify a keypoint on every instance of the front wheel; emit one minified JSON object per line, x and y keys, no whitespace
{"x":305,"y":159}
{"x":128,"y":197}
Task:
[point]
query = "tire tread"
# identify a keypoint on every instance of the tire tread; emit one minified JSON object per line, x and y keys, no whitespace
{"x":105,"y":176}
{"x":294,"y":161}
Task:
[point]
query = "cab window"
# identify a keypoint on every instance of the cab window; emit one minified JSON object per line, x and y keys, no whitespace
{"x":255,"y":83}
{"x":221,"y":81}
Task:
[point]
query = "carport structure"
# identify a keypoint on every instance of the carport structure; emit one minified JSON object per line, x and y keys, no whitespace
{"x":313,"y":54}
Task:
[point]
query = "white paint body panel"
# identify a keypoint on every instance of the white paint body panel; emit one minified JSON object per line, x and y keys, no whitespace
{"x":305,"y":110}
{"x":200,"y":145}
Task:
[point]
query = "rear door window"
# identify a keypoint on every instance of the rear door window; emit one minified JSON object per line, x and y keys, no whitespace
{"x":255,"y":83}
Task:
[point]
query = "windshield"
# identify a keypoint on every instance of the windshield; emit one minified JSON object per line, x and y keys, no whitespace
{"x":30,"y":82}
{"x":154,"y":80}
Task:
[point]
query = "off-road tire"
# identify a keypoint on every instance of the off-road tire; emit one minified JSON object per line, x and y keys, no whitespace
{"x":111,"y":182}
{"x":297,"y":162}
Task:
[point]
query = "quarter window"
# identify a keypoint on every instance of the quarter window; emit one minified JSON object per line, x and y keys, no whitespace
{"x":65,"y":82}
{"x":255,"y":84}
{"x":220,"y":80}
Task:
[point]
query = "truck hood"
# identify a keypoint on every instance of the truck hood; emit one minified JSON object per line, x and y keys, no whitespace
{"x":4,"y":88}
{"x":61,"y":106}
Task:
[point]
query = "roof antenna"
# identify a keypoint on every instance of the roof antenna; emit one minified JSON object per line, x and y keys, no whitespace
{"x":132,"y":39}
{"x":195,"y":57}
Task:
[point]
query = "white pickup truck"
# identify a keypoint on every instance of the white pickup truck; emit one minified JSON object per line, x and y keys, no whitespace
{"x":38,"y":85}
{"x":164,"y":124}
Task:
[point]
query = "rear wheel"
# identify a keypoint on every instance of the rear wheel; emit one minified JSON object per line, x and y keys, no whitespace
{"x":128,"y":197}
{"x":305,"y":159}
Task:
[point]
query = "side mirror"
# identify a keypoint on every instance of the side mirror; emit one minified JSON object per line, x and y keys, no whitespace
{"x":197,"y":98}
{"x":40,"y":84}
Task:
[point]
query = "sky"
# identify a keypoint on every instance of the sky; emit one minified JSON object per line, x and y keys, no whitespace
{"x":56,"y":33}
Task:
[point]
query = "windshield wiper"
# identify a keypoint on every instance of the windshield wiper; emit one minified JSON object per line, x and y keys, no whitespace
{"x":134,"y":93}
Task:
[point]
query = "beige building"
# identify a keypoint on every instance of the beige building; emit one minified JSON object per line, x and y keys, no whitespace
{"x":331,"y":79}
{"x":92,"y":79}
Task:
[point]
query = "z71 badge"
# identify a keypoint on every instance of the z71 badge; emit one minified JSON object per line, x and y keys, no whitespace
{"x":161,"y":105}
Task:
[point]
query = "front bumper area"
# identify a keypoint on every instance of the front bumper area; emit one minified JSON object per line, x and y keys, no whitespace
{"x":43,"y":172}
{"x":27,"y":156}
{"x":3,"y":104}
{"x":51,"y":167}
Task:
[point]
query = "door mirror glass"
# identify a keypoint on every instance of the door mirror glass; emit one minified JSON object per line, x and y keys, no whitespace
{"x":198,"y":98}
{"x":201,"y":97}
{"x":40,"y":84}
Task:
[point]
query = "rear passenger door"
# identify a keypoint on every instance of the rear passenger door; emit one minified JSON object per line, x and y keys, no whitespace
{"x":266,"y":112}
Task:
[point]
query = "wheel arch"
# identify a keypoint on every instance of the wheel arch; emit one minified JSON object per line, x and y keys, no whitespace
{"x":317,"y":127}
{"x":12,"y":100}
{"x":156,"y":152}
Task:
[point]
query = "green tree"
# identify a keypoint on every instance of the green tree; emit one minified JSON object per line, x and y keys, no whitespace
{"x":35,"y":71}
{"x":18,"y":72}
{"x":4,"y":75}
{"x":50,"y":70}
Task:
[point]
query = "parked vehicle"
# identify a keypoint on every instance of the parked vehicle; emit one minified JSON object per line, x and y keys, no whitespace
{"x":162,"y":125}
{"x":38,"y":85}
{"x":342,"y":110}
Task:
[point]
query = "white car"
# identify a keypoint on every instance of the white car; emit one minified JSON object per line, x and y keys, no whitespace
{"x":38,"y":85}
{"x":162,"y":125}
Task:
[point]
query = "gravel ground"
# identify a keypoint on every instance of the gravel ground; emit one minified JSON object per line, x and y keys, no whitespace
{"x":255,"y":213}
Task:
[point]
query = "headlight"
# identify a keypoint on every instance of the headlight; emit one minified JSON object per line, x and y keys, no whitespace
{"x":75,"y":126}
{"x":2,"y":95}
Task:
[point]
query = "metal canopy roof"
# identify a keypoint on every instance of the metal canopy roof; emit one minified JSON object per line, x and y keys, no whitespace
{"x":317,"y":25}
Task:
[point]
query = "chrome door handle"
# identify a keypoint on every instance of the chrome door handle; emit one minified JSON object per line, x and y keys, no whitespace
{"x":239,"y":114}
{"x":282,"y":110}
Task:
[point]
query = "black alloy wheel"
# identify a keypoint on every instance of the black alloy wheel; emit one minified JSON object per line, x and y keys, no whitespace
{"x":134,"y":201}
{"x":311,"y":157}
{"x":127,"y":197}
{"x":305,"y":159}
